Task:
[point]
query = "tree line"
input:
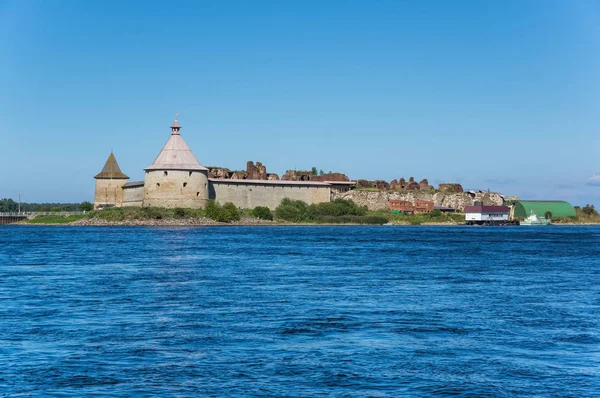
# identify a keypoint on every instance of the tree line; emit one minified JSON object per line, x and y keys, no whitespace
{"x":9,"y":205}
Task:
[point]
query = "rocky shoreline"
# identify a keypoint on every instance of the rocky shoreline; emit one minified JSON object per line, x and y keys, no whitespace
{"x":190,"y":222}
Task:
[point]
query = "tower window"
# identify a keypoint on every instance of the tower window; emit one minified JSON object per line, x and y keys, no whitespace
{"x":197,"y":194}
{"x":185,"y":184}
{"x":190,"y":173}
{"x":166,"y":173}
{"x":158,"y":184}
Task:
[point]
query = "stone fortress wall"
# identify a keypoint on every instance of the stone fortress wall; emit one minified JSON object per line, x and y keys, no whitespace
{"x":109,"y":191}
{"x":175,"y":188}
{"x":177,"y":179}
{"x":133,"y":195}
{"x":249,"y":194}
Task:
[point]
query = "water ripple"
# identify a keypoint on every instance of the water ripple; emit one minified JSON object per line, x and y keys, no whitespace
{"x":300,"y":311}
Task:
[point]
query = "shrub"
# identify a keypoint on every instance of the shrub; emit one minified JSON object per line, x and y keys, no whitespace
{"x":226,"y":213}
{"x":212,"y":210}
{"x":589,"y":210}
{"x":262,"y":212}
{"x":351,"y":219}
{"x":178,"y":212}
{"x":292,"y":210}
{"x":230,"y":212}
{"x":338,"y":207}
{"x":289,"y":213}
{"x":435,"y":213}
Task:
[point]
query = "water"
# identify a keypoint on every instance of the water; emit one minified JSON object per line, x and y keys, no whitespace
{"x":299,"y":311}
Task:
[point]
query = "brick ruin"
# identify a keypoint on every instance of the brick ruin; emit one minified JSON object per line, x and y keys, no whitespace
{"x":400,"y":185}
{"x":450,"y":188}
{"x":258,"y":171}
{"x":253,"y":172}
{"x":304,"y":175}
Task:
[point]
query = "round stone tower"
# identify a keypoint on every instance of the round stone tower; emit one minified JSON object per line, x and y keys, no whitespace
{"x":109,"y":185}
{"x":176,"y":178}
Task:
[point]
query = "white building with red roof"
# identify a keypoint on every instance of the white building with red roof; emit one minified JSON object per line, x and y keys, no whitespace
{"x":481,"y":214}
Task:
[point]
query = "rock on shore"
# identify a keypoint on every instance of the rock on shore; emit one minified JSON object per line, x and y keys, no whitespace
{"x":378,"y":200}
{"x":168,"y":222}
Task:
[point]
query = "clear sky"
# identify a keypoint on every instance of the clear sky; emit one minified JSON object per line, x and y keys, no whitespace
{"x":500,"y":95}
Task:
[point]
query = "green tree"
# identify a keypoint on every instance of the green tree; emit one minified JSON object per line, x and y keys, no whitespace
{"x":314,"y":171}
{"x":262,"y":212}
{"x":589,"y":210}
{"x":321,"y":172}
{"x":8,"y":205}
{"x":338,"y":207}
{"x":435,"y":213}
{"x":86,"y":206}
{"x":230,"y":212}
{"x":213,"y":210}
{"x":226,"y":213}
{"x":292,"y":210}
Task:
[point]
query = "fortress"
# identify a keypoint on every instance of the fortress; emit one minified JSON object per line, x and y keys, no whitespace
{"x":177,"y":179}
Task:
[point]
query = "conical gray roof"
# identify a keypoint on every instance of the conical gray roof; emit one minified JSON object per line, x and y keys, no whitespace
{"x":176,"y":155}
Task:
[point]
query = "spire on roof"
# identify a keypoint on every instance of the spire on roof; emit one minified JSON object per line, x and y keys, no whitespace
{"x":111,"y":170}
{"x":175,"y":127}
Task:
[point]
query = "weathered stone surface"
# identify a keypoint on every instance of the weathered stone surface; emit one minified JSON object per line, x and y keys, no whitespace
{"x":412,"y":185}
{"x":297,"y":175}
{"x":175,"y":188}
{"x":249,"y":195}
{"x":258,"y":172}
{"x":237,"y":175}
{"x":450,"y":188}
{"x":330,"y":177}
{"x":379,"y":200}
{"x":424,"y":185}
{"x":363,"y":184}
{"x":382,"y":185}
{"x":272,"y":177}
{"x":304,"y":175}
{"x":218,"y":172}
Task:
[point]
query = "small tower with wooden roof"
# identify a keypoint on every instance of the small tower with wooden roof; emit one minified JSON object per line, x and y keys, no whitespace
{"x":176,"y":178}
{"x":109,"y":184}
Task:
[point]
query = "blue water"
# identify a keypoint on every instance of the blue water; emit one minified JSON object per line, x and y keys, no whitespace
{"x":299,"y":311}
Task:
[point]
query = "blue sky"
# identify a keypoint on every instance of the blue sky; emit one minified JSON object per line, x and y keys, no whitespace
{"x":494,"y":95}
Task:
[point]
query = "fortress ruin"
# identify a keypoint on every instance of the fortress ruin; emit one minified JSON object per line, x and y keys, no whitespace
{"x":177,"y":179}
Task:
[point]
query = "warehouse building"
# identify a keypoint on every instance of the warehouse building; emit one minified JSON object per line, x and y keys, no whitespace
{"x":521,"y":209}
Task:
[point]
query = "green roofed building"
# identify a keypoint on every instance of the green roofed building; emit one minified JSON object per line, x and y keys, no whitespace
{"x":557,"y":208}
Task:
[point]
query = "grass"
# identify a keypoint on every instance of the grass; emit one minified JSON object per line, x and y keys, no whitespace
{"x":55,"y":219}
{"x":418,"y":219}
{"x":145,"y":213}
{"x":581,"y":218}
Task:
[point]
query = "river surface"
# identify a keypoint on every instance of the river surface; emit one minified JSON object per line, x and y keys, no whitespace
{"x":299,"y":311}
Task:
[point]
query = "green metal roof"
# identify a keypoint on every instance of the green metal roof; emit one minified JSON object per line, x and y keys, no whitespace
{"x":558,"y":208}
{"x":111,"y":170}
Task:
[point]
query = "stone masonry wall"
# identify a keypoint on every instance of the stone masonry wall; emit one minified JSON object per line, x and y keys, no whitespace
{"x":178,"y":188}
{"x":378,"y":200}
{"x":133,"y":196}
{"x":251,"y":195}
{"x":109,"y":192}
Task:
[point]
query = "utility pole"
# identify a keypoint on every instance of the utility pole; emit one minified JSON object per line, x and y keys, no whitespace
{"x":19,"y":202}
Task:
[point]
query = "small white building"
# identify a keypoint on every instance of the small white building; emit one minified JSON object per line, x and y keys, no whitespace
{"x":486,"y":214}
